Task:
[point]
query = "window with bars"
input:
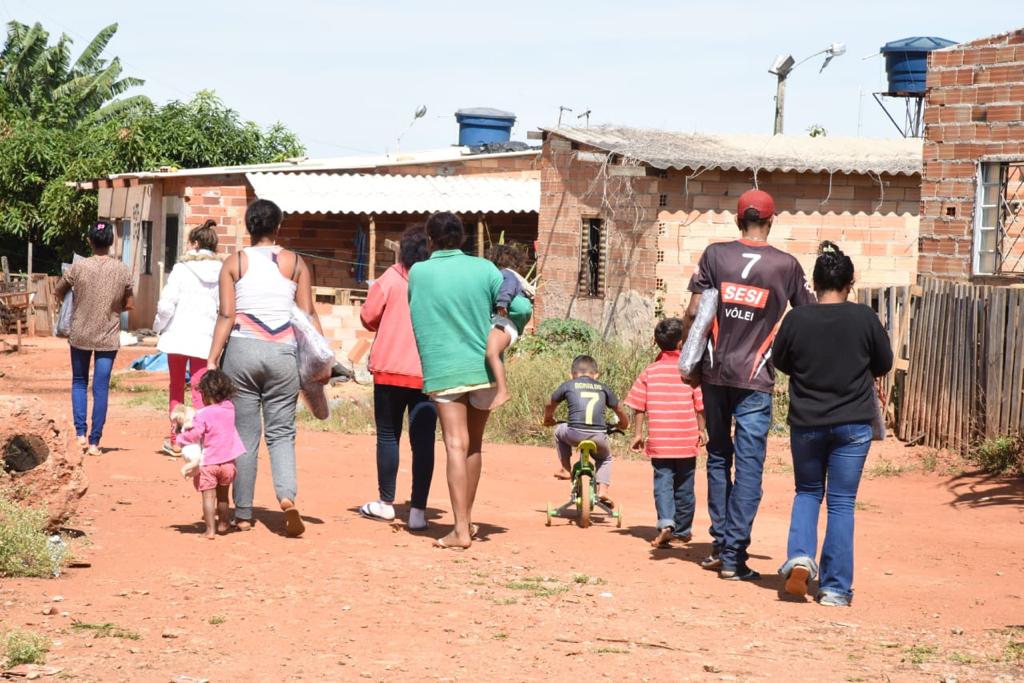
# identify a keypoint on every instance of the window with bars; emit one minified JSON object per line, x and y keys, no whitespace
{"x":660,"y":256}
{"x":662,"y":200}
{"x":593,"y":258}
{"x":999,"y":219}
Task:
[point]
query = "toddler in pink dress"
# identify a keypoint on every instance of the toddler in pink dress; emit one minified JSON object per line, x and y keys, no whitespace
{"x":213,"y":431}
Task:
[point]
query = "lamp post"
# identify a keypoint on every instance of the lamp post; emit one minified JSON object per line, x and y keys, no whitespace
{"x":784,"y":65}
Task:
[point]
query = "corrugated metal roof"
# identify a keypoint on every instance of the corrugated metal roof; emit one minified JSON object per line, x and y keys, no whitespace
{"x":379,"y":194}
{"x":349,"y":163}
{"x":801,"y":153}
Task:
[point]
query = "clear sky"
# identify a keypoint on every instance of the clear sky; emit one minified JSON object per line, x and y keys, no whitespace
{"x":347,"y":76}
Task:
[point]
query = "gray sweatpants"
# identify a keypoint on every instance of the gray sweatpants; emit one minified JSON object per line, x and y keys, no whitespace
{"x":567,"y":438}
{"x":266,"y":377}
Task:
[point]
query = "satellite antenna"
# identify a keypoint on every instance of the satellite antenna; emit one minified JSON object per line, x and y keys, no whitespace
{"x":420,"y":112}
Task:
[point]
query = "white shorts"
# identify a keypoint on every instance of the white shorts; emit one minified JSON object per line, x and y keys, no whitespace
{"x":506,"y":326}
{"x":480,"y":396}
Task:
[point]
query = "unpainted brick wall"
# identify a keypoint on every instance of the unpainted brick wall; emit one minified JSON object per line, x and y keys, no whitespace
{"x":974,"y":108}
{"x":654,"y":249}
{"x":872,"y":218}
{"x":572,"y":190}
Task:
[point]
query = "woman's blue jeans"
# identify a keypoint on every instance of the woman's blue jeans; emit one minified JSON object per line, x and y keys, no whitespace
{"x":80,"y":360}
{"x":827,"y":463}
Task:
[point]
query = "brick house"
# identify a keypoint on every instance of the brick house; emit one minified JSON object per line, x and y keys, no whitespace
{"x":625,"y":213}
{"x":341,"y":214}
{"x":972,"y":186}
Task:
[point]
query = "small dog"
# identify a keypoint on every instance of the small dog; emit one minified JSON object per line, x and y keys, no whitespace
{"x":182,"y":417}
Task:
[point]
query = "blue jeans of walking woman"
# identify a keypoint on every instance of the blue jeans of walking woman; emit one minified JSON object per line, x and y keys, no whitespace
{"x":80,"y":361}
{"x":390,"y":404}
{"x":827,"y":463}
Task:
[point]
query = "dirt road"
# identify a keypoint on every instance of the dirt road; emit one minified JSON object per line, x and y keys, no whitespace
{"x":939,"y":589}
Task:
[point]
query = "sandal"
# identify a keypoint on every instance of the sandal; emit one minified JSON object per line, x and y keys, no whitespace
{"x":242,"y":524}
{"x":294,"y":526}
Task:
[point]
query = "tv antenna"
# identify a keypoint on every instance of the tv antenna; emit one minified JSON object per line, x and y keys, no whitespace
{"x":586,"y":115}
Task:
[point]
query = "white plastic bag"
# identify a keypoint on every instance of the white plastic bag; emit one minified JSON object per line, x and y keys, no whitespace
{"x":696,"y":340}
{"x":67,"y":307}
{"x":315,"y":361}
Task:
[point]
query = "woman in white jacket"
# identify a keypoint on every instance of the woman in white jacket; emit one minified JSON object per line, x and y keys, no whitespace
{"x":186,"y":316}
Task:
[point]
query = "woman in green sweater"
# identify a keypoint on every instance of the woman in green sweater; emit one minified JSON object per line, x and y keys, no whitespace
{"x":452,"y":298}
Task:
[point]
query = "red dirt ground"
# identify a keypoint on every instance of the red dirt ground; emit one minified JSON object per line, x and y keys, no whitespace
{"x":940,"y":577}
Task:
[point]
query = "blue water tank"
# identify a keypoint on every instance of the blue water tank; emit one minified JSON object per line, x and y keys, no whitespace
{"x":906,"y":63}
{"x":482,"y":125}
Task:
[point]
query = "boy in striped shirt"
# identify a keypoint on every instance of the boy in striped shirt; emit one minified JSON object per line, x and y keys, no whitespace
{"x":673,"y":413}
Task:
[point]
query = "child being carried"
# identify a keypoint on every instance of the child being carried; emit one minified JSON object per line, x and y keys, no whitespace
{"x":514,"y":309}
{"x":211,"y":445}
{"x":587,"y":398}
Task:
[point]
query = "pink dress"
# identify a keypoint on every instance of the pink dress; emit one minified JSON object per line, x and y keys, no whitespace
{"x":213,"y":428}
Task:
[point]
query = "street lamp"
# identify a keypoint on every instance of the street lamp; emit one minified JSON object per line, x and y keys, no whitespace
{"x":784,"y":65}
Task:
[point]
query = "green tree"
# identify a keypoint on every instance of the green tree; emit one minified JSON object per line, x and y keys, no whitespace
{"x":64,"y":120}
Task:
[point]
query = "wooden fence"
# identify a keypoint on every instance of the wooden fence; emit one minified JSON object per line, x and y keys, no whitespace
{"x":959,"y":373}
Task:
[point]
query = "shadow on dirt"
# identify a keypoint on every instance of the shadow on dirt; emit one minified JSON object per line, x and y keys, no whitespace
{"x":979,"y":489}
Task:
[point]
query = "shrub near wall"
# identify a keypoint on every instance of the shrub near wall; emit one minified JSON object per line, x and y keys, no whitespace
{"x":540,"y":362}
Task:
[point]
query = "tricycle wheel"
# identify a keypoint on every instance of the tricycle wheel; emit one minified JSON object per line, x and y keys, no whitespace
{"x":585,"y":501}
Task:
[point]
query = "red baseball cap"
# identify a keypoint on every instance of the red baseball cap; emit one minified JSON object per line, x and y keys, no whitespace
{"x":758,"y":200}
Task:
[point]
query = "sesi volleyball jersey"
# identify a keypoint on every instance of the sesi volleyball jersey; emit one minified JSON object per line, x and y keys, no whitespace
{"x":755,"y":282}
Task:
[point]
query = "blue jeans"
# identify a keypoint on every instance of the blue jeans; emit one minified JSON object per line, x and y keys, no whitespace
{"x":80,"y":359}
{"x":733,"y":499}
{"x":827,"y":460}
{"x":674,"y":500}
{"x":390,"y":404}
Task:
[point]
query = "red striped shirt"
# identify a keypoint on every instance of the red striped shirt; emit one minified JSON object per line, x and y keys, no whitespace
{"x":671,"y":407}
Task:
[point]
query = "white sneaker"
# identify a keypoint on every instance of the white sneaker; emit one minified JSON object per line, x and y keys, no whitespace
{"x":378,"y":510}
{"x":417,"y":519}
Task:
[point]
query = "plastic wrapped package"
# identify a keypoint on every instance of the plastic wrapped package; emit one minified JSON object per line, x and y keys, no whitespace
{"x":67,"y":307}
{"x":315,"y":361}
{"x":696,"y":340}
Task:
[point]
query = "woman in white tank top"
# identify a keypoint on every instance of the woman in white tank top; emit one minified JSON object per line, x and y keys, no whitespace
{"x":258,"y":287}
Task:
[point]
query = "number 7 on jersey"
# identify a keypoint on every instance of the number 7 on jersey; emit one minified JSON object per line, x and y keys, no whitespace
{"x":753,"y":258}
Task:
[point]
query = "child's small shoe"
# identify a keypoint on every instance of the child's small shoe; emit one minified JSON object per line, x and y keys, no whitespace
{"x":170,"y":448}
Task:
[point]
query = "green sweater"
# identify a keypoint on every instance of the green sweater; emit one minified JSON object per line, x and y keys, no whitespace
{"x":451,"y":299}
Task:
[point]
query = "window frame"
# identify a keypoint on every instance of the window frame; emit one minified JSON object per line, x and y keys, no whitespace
{"x":586,"y":286}
{"x":990,"y":262}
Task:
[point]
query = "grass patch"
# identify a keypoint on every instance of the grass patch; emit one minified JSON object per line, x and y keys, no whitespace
{"x":930,"y":461}
{"x":611,"y":651}
{"x":1014,"y":652}
{"x":106,"y":630}
{"x":217,"y":620}
{"x":500,"y":636}
{"x":155,"y":399}
{"x":120,"y":383}
{"x":960,"y":658}
{"x":347,"y":415}
{"x":919,"y":654}
{"x":505,"y":601}
{"x":24,"y":542}
{"x":539,"y":586}
{"x":886,"y":468}
{"x":540,"y":362}
{"x":1001,"y":455}
{"x":25,"y":647}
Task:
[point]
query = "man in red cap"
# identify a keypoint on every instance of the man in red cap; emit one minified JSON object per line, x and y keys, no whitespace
{"x":755,"y":282}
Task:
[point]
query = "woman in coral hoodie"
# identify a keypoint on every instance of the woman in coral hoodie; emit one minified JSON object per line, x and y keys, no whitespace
{"x":398,"y":385}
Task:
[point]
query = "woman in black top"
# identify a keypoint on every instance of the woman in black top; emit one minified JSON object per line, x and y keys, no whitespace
{"x":832,"y":353}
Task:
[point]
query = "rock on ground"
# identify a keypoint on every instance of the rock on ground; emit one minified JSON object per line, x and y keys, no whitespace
{"x":40,"y":465}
